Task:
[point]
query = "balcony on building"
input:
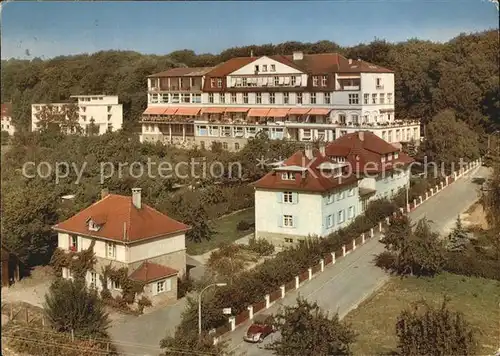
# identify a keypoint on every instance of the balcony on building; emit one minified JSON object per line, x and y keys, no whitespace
{"x":348,"y":83}
{"x":176,"y":84}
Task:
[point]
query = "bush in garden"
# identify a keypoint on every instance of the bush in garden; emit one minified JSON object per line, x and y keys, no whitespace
{"x":262,"y":247}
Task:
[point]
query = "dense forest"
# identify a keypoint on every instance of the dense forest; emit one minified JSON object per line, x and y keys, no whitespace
{"x":462,"y":74}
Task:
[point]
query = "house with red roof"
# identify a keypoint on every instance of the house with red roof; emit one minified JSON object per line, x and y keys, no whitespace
{"x":318,"y":191}
{"x":128,"y":233}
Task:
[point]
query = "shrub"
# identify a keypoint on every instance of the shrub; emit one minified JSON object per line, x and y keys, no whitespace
{"x":243,"y":226}
{"x":425,"y":330}
{"x":472,"y":263}
{"x":262,"y":247}
{"x":385,"y":260}
{"x":184,"y":285}
{"x":143,"y":303}
{"x":71,"y":306}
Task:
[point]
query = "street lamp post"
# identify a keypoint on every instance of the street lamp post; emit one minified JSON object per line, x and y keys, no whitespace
{"x":199,"y":302}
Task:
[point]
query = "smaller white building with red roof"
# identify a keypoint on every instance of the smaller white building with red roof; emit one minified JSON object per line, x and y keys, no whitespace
{"x":316,"y":192}
{"x":128,"y":233}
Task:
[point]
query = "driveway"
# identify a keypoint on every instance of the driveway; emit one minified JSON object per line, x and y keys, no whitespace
{"x":343,"y":286}
{"x":141,"y":335}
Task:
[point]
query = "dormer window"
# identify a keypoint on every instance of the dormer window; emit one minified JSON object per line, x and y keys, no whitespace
{"x":396,"y":155}
{"x":287,"y":176}
{"x":93,"y":225}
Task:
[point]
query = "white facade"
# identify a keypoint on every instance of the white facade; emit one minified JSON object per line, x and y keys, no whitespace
{"x":124,"y":253}
{"x":356,"y":101}
{"x":302,"y":214}
{"x":102,"y":110}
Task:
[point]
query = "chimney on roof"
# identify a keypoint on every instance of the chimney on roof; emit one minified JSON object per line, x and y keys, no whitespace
{"x":251,"y":53}
{"x":136,"y":197}
{"x":104,"y":193}
{"x":298,"y":55}
{"x":350,"y":61}
{"x":308,"y":151}
{"x":361,"y":135}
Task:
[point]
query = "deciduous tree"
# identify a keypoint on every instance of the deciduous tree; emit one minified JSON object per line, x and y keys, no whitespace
{"x":307,"y":330}
{"x":426,"y":330}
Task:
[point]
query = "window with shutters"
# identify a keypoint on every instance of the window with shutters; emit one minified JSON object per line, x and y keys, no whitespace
{"x":287,"y":220}
{"x":329,"y":221}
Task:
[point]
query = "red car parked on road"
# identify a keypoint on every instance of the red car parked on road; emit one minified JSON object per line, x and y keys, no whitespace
{"x":261,"y":327}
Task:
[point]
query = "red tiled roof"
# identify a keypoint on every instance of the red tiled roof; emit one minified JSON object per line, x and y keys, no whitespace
{"x":6,"y":110}
{"x":123,"y":221}
{"x":312,"y":180}
{"x":230,"y":66}
{"x":149,"y":272}
{"x":364,"y":150}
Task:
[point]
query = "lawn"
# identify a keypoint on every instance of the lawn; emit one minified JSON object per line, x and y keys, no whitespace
{"x":226,"y":231}
{"x":477,"y":298}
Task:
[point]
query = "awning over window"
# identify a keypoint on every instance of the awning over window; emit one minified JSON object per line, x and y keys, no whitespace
{"x":187,"y":111}
{"x":258,"y":112}
{"x":212,"y":110}
{"x":170,"y":111}
{"x":298,"y":111}
{"x":237,"y":109}
{"x":155,"y":110}
{"x":319,"y":111}
{"x":278,"y":112}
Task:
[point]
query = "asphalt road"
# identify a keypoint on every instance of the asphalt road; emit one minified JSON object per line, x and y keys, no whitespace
{"x":343,"y":286}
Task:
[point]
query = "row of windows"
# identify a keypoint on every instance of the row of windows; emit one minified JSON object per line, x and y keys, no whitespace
{"x":158,"y":287}
{"x":340,"y":195}
{"x":401,"y":135}
{"x":175,"y":98}
{"x":330,"y":219}
{"x":377,"y":98}
{"x":225,"y":145}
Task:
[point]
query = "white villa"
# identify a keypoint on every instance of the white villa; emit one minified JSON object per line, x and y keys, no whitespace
{"x":128,"y":233}
{"x":315,"y":192}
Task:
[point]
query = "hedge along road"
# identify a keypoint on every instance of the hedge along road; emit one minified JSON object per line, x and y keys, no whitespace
{"x":343,"y":286}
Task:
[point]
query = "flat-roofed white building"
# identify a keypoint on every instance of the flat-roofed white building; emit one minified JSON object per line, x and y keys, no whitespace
{"x":102,"y":112}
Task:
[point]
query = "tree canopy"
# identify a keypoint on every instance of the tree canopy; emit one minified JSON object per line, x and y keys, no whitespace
{"x":307,"y":330}
{"x":426,"y":330}
{"x":461,"y":74}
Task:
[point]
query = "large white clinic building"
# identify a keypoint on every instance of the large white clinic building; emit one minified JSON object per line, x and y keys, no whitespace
{"x":302,"y":97}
